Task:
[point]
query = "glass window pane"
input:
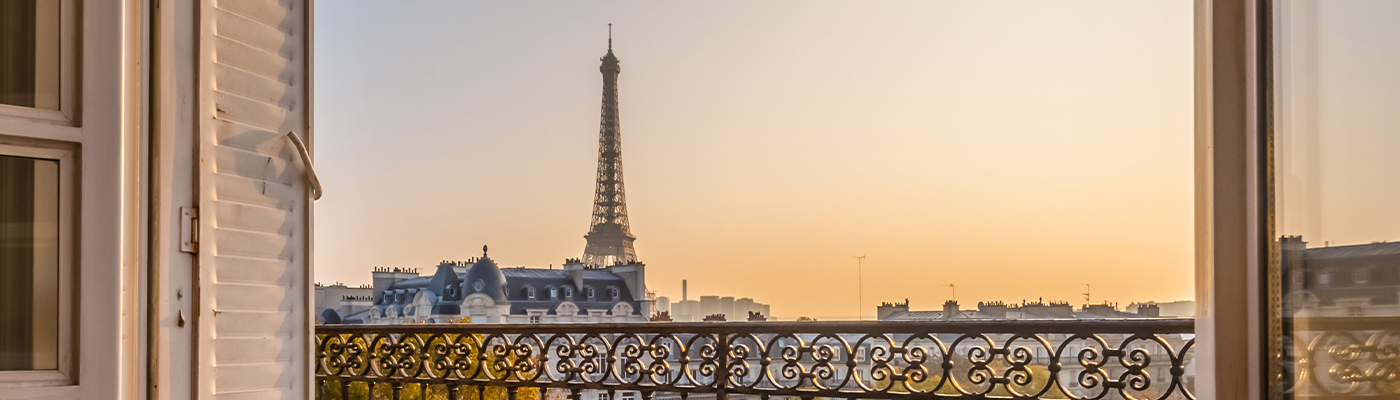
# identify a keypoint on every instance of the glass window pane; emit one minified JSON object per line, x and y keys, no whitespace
{"x":28,"y":264}
{"x":29,"y":57}
{"x":1336,"y":183}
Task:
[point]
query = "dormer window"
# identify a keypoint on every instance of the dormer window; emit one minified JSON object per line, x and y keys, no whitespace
{"x":569,"y":292}
{"x":1324,"y":278}
{"x":553,"y":293}
{"x":1362,"y":276}
{"x":530,"y":292}
{"x":614,"y":293}
{"x":588,"y":292}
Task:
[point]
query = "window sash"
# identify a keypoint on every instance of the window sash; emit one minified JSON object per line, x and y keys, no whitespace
{"x":65,"y":115}
{"x":62,"y":374}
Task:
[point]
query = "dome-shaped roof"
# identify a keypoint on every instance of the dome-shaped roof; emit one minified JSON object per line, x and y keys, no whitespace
{"x":486,"y":278}
{"x":445,"y":278}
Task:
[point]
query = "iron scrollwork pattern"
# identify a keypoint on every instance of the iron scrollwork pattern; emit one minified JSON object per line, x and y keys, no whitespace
{"x":1354,"y":357}
{"x":1083,"y":360}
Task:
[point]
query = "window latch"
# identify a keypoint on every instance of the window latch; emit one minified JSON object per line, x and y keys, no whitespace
{"x":189,"y":230}
{"x":306,"y":160}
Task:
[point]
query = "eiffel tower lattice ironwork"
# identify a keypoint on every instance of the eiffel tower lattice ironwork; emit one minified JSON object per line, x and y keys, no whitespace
{"x":609,"y":239}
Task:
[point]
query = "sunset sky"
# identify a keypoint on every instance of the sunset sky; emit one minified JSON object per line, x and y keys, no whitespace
{"x":1017,"y":150}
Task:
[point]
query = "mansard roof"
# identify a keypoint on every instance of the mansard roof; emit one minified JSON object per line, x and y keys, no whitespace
{"x":1359,"y":250}
{"x":446,"y":283}
{"x":506,"y":286}
{"x":486,"y":278}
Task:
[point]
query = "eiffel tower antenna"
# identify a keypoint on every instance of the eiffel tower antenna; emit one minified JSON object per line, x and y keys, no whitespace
{"x":609,"y":236}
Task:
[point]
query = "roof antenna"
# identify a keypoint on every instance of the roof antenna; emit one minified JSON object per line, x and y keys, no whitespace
{"x":609,"y":38}
{"x":483,"y":250}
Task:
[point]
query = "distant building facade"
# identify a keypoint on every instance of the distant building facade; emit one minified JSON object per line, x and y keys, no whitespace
{"x":342,"y":300}
{"x":1340,"y":281}
{"x":733,"y":309}
{"x":1026,"y":310}
{"x":480,"y":292}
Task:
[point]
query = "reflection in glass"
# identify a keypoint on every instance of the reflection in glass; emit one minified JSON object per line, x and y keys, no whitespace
{"x":29,"y":56}
{"x":28,"y":264}
{"x":1335,"y":176}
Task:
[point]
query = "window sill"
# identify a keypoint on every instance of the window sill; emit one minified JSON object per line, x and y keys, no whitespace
{"x":50,"y":392}
{"x":32,"y":379}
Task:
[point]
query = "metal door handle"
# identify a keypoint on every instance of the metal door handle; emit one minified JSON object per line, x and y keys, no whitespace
{"x":306,"y":159}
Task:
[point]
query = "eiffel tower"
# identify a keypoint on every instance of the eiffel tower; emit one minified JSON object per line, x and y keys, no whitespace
{"x":609,"y":239}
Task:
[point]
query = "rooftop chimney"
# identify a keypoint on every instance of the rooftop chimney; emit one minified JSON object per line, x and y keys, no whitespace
{"x":757,"y":317}
{"x":950,"y":309}
{"x":994,"y":308}
{"x":886,"y":309}
{"x":1149,"y":310}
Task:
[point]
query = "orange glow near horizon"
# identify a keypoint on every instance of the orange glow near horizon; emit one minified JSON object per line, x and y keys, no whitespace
{"x":1016,"y":152}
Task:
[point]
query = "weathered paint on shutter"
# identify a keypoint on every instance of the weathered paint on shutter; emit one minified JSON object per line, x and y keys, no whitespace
{"x":254,"y":246}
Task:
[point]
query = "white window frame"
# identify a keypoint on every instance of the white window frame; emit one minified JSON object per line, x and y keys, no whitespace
{"x":1230,"y":246}
{"x":63,"y":375}
{"x":66,"y":116}
{"x":1362,"y":276}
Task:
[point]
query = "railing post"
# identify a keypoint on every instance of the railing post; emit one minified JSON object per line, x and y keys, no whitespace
{"x":344,"y":388}
{"x":722,"y":376}
{"x":451,"y":391}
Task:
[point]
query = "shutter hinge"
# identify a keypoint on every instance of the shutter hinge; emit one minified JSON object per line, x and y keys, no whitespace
{"x":189,"y":230}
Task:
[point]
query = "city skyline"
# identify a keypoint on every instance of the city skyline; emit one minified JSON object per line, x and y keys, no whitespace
{"x":859,"y":131}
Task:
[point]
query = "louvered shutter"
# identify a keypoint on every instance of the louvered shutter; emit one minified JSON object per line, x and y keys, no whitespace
{"x":254,"y":267}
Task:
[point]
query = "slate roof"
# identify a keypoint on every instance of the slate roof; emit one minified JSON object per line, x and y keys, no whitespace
{"x":1359,"y":250}
{"x":514,"y":291}
{"x":1013,"y":314}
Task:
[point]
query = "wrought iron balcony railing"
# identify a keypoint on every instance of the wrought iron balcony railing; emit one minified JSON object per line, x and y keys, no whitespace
{"x":871,"y":360}
{"x":1338,"y":357}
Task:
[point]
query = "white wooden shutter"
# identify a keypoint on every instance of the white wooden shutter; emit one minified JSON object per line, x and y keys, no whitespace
{"x":254,"y":267}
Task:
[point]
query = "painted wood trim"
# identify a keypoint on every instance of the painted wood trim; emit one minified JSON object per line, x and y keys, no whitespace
{"x":1228,"y":241}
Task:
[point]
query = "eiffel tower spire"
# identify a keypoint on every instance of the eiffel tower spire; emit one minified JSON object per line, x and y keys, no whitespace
{"x":609,"y":237}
